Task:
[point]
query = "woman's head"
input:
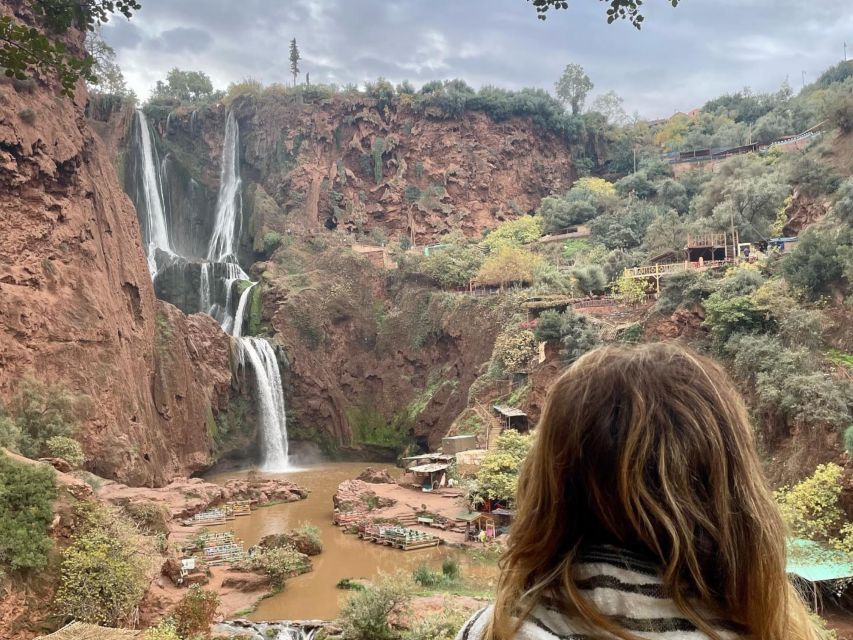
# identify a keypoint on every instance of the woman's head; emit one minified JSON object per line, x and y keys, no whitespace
{"x":650,"y":448}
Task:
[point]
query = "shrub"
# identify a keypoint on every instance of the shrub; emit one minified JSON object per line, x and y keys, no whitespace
{"x":811,"y":507}
{"x":311,"y":533}
{"x":195,"y":612}
{"x":548,"y":326}
{"x":280,"y":563}
{"x":348,"y":584}
{"x":365,"y":615}
{"x":508,"y":264}
{"x":579,"y":335}
{"x":589,"y":278}
{"x":10,"y":432}
{"x":438,"y":626}
{"x":426,"y":577}
{"x":165,"y":630}
{"x":103,"y":570}
{"x":151,"y":517}
{"x":514,"y":349}
{"x":520,"y":231}
{"x":497,"y":476}
{"x":272,"y":241}
{"x":740,"y":314}
{"x":27,"y":492}
{"x":42,"y":411}
{"x":28,"y":115}
{"x":816,"y":265}
{"x":66,"y":448}
{"x":843,"y":206}
{"x":453,"y":266}
{"x":686,"y":289}
{"x":450,"y":568}
{"x":848,"y":440}
{"x":629,"y":290}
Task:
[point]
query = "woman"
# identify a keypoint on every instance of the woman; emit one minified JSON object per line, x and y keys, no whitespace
{"x":642,"y":512}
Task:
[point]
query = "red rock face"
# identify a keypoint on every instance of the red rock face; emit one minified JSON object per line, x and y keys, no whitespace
{"x":76,"y":303}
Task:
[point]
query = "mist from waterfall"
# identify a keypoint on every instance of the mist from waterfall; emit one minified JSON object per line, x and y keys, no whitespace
{"x":156,"y":228}
{"x":222,"y":266}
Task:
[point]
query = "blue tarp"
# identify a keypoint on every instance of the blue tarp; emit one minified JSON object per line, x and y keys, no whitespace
{"x":815,"y":562}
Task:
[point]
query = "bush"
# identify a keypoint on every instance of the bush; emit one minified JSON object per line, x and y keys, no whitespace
{"x":816,"y":266}
{"x":453,"y":266}
{"x":450,"y":568}
{"x":629,"y":290}
{"x":685,"y":289}
{"x":438,"y":626}
{"x":41,"y":411}
{"x":811,"y":507}
{"x":195,"y":612}
{"x":848,"y":440}
{"x":518,"y":232}
{"x":590,"y":279}
{"x":348,"y":584}
{"x":548,"y":326}
{"x":426,"y":577}
{"x":843,"y":206}
{"x":579,"y":335}
{"x":497,"y":476}
{"x":280,"y":563}
{"x":27,"y":492}
{"x":150,"y":517}
{"x":28,"y":115}
{"x":66,"y":448}
{"x":365,"y":615}
{"x":163,"y":631}
{"x":508,"y":264}
{"x":103,"y":570}
{"x":514,"y":349}
{"x":272,"y":241}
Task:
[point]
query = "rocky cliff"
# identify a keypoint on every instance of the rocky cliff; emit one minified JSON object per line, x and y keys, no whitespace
{"x":367,"y":357}
{"x":76,"y":302}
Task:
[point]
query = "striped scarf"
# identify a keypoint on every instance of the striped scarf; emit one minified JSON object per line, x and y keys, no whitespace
{"x":623,"y":586}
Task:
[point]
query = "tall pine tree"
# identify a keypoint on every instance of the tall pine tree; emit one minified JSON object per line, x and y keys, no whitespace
{"x":294,"y":60}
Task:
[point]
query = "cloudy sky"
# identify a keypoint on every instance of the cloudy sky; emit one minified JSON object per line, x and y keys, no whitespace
{"x":681,"y":58}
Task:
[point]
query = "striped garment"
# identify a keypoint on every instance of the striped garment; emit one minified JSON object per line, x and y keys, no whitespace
{"x":622,"y":585}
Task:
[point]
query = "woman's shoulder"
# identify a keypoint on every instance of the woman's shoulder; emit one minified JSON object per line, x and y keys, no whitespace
{"x":542,"y":624}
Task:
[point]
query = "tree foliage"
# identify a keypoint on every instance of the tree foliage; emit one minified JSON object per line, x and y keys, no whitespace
{"x":497,"y":476}
{"x":38,"y":412}
{"x":452,"y":266}
{"x":25,"y":49}
{"x":573,"y":87}
{"x":27,"y":493}
{"x":294,"y":60}
{"x":103,"y":569}
{"x":508,"y":264}
{"x":811,"y":507}
{"x":196,"y":612}
{"x":108,"y":76}
{"x":185,"y":86}
{"x":365,"y":615}
{"x":518,"y":232}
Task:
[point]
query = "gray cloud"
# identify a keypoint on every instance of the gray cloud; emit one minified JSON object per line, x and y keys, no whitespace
{"x":680,"y":59}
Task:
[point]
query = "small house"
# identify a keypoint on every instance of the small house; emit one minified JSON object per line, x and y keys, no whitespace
{"x":455,"y":444}
{"x":512,"y":418}
{"x":430,"y":476}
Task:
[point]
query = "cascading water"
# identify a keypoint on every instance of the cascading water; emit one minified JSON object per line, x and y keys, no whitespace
{"x":222,"y":265}
{"x":229,"y":204}
{"x":267,"y":630}
{"x":156,"y":228}
{"x":272,"y":414}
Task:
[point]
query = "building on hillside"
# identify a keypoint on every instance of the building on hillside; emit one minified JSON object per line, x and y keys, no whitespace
{"x":512,"y":418}
{"x":573,"y":232}
{"x":454,"y":444}
{"x":703,"y":249}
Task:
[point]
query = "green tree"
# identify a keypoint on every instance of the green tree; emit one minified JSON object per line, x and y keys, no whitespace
{"x":548,"y":326}
{"x":819,"y":264}
{"x":42,"y":411}
{"x":66,"y":448}
{"x":25,"y":49}
{"x":508,"y":264}
{"x":108,"y":76}
{"x":573,"y":87}
{"x":610,"y":106}
{"x":629,"y":290}
{"x":589,"y":278}
{"x":843,"y":206}
{"x":452,"y":266}
{"x":27,"y":492}
{"x":294,"y":60}
{"x":497,"y":476}
{"x":518,"y":232}
{"x":186,"y":86}
{"x":684,"y":290}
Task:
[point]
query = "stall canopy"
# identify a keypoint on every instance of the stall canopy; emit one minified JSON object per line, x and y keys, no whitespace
{"x":814,"y":562}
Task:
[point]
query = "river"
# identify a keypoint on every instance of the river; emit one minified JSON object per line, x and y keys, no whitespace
{"x":315,"y":595}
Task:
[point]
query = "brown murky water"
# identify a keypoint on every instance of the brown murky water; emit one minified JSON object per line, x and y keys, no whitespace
{"x":315,"y":595}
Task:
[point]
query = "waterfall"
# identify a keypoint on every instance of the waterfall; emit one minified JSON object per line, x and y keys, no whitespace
{"x":273,"y":418}
{"x":241,"y":311}
{"x":268,"y":630}
{"x":229,"y":204}
{"x":222,"y":265}
{"x":152,"y":193}
{"x":204,"y":296}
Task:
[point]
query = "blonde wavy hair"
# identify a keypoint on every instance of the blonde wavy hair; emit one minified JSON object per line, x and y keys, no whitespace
{"x":650,"y":448}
